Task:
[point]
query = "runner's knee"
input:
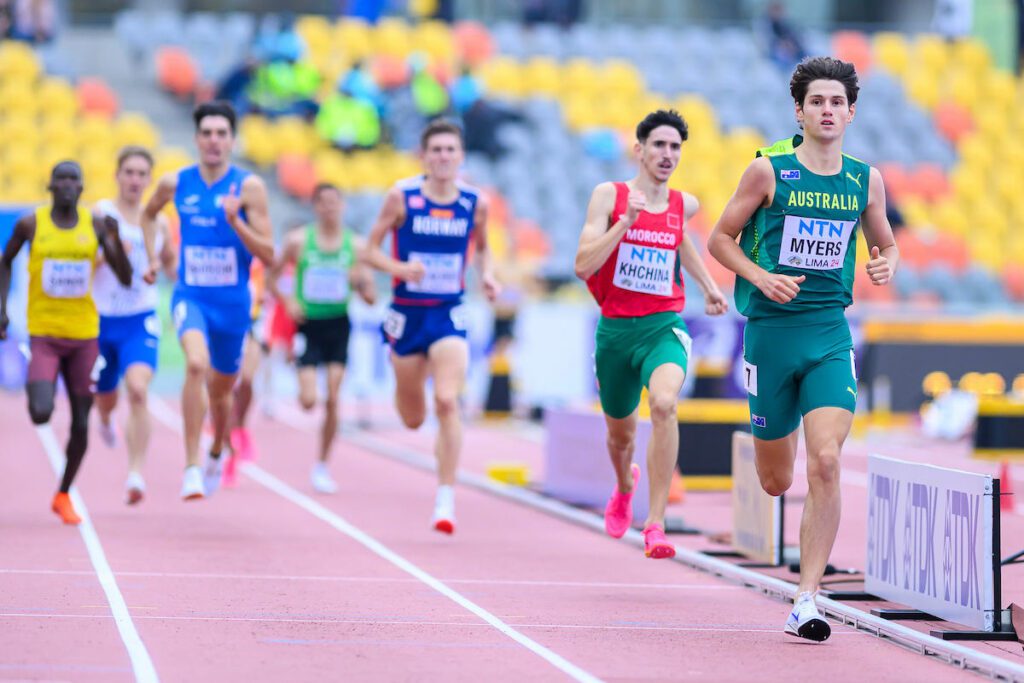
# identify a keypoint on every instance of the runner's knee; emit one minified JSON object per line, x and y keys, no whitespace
{"x":663,"y":406}
{"x":413,"y":416}
{"x":307,"y":401}
{"x":136,"y":393}
{"x":775,"y":483}
{"x":40,"y":403}
{"x":823,"y":467}
{"x":621,"y":441}
{"x":446,"y":405}
{"x":196,"y":367}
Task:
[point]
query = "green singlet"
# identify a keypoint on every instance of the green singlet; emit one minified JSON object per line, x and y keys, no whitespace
{"x":322,"y":277}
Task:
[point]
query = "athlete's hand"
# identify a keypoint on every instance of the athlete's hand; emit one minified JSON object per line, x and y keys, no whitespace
{"x":412,"y":271}
{"x":294,"y":310}
{"x":878,"y":268}
{"x":232,"y":205}
{"x":4,"y":322}
{"x":715,"y":302}
{"x":492,"y":288}
{"x":149,"y":277}
{"x":635,"y":203}
{"x":780,"y":288}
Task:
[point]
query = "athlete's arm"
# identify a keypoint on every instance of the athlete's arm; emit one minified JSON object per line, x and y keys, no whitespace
{"x":492,"y":288}
{"x":756,"y":187}
{"x":164,"y":193}
{"x":168,"y":255}
{"x":391,"y":217}
{"x":715,"y":302}
{"x":885,"y":256}
{"x":361,"y":277}
{"x":598,"y":240}
{"x":106,"y":229}
{"x":24,"y":231}
{"x":289,"y":254}
{"x":256,"y":233}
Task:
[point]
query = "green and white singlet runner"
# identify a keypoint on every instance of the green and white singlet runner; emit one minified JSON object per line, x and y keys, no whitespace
{"x":798,"y":356}
{"x":322,"y":277}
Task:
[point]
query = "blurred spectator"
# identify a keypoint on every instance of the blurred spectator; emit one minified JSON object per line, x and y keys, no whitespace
{"x":369,"y":11}
{"x":953,"y":18}
{"x":34,"y":21}
{"x":781,"y":37}
{"x":357,"y":82}
{"x":562,"y":12}
{"x":466,"y":90}
{"x":480,"y":124}
{"x":283,"y":88}
{"x":430,"y":97}
{"x":348,"y":123}
{"x":6,"y":17}
{"x":895,"y":216}
{"x":1020,"y":36}
{"x":445,"y":11}
{"x":234,"y":88}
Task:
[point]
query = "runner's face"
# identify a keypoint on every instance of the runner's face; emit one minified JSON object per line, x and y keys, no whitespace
{"x":442,"y":156}
{"x":214,"y":140}
{"x":328,"y":206}
{"x":659,"y":155}
{"x":66,"y":184}
{"x":826,"y":111}
{"x":133,"y":178}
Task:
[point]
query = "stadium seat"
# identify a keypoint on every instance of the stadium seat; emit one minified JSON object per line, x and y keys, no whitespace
{"x":96,"y":97}
{"x":891,"y":52}
{"x":953,"y":121}
{"x":132,"y":128}
{"x":176,"y":71}
{"x":296,"y":175}
{"x":853,"y":46}
{"x":473,"y":42}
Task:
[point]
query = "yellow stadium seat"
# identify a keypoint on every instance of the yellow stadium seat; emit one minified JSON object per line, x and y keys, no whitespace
{"x":972,"y":53}
{"x":18,"y":62}
{"x":976,"y":152}
{"x":434,"y":38}
{"x":892,"y":52}
{"x":962,"y":87}
{"x":923,"y":88}
{"x":171,"y":160}
{"x":581,"y":112}
{"x":580,"y":77}
{"x":1009,"y":185}
{"x":21,"y":128}
{"x":1000,"y":91}
{"x":293,"y":135}
{"x":621,"y":78}
{"x":315,"y":31}
{"x":503,"y":77}
{"x":132,"y":128}
{"x":392,"y":37}
{"x":354,"y":38}
{"x":24,"y":190}
{"x":543,"y":77}
{"x":936,"y":384}
{"x":931,"y":52}
{"x":95,"y":135}
{"x":56,"y":97}
{"x":948,"y":216}
{"x":700,"y":116}
{"x":990,"y":220}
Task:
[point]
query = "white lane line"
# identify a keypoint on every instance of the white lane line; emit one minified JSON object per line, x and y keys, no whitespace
{"x":142,"y":664}
{"x":374,"y":579}
{"x":376,"y":624}
{"x":164,"y":414}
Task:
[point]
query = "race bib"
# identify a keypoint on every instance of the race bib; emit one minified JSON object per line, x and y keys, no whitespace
{"x":66,"y":279}
{"x":394,"y":324}
{"x":458,"y":317}
{"x":814,"y":244}
{"x":648,"y":270}
{"x":750,"y":378}
{"x":684,"y":339}
{"x":444,"y":273}
{"x":325,"y":284}
{"x":211,"y":266}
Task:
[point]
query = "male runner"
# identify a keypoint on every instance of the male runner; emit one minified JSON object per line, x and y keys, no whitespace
{"x":224,"y":223}
{"x":326,"y":270}
{"x":796,"y":211}
{"x":431,"y":219}
{"x":129,"y":326}
{"x":62,"y":319}
{"x":630,"y":252}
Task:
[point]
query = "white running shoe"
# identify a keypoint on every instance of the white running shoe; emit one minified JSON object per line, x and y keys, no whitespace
{"x":322,"y":480}
{"x":192,"y":483}
{"x":212,"y":474}
{"x":805,"y":621}
{"x":108,"y":434}
{"x":444,"y":510}
{"x":134,"y":488}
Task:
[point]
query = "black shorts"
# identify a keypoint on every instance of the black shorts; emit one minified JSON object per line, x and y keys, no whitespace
{"x":325,"y":340}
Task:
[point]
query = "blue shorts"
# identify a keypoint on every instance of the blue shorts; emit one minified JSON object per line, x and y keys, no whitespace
{"x":125,"y":341}
{"x":413,"y":329}
{"x":224,"y":329}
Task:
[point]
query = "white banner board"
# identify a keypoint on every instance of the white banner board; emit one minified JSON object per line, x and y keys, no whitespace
{"x":930,"y":540}
{"x":756,"y":516}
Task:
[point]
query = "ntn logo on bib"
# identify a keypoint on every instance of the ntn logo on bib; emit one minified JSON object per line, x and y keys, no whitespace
{"x":211,"y":266}
{"x":444,"y":273}
{"x":649,"y":270}
{"x":325,"y":284}
{"x":66,"y":279}
{"x":815,"y":243}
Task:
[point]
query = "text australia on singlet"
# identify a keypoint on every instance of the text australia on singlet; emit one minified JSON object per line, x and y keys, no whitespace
{"x":817,"y":243}
{"x":646,"y":269}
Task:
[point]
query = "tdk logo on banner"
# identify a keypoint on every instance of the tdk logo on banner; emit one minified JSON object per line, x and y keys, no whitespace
{"x":790,"y":175}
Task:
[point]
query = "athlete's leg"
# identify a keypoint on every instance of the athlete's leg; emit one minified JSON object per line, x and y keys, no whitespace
{"x":106,"y":402}
{"x":307,"y":387}
{"x":335,"y":375}
{"x":79,"y":370}
{"x":449,"y":359}
{"x":621,"y":446}
{"x":138,"y":429}
{"x":219,"y":388}
{"x":774,"y":461}
{"x":410,"y":390}
{"x":193,"y":393}
{"x":243,"y":390}
{"x":663,"y":448}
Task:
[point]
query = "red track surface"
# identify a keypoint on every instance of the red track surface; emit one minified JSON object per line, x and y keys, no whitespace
{"x":251,"y":585}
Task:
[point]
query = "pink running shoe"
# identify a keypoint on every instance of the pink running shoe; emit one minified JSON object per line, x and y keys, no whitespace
{"x":229,"y":478}
{"x":656,"y":546}
{"x":618,"y":514}
{"x":241,"y":444}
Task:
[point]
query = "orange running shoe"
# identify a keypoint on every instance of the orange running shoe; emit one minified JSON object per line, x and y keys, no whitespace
{"x":64,"y":509}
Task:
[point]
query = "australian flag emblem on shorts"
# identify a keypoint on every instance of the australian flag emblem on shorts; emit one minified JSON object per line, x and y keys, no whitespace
{"x":758,"y":421}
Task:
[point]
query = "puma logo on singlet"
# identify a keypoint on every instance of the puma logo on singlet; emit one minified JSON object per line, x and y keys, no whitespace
{"x":855,"y":180}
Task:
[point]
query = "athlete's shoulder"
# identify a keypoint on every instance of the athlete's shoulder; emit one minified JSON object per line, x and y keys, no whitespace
{"x":468,"y":189}
{"x":781,"y":147}
{"x":411,"y":184}
{"x":106,"y":207}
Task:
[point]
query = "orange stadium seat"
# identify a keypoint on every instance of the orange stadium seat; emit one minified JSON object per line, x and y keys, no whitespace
{"x":929,"y":182}
{"x":473,"y":43}
{"x":389,"y":71}
{"x":176,"y":72}
{"x":953,"y":121}
{"x":896,"y":179}
{"x":297,"y":175}
{"x":853,"y":46}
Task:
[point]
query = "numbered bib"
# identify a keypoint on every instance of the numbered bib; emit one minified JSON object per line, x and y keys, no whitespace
{"x":394,"y":324}
{"x":458,"y":317}
{"x":648,"y":270}
{"x":443,"y":276}
{"x":211,"y":266}
{"x":814,"y":244}
{"x":66,"y":279}
{"x":325,"y":284}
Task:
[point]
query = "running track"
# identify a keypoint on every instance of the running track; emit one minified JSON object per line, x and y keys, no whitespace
{"x":267,"y":582}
